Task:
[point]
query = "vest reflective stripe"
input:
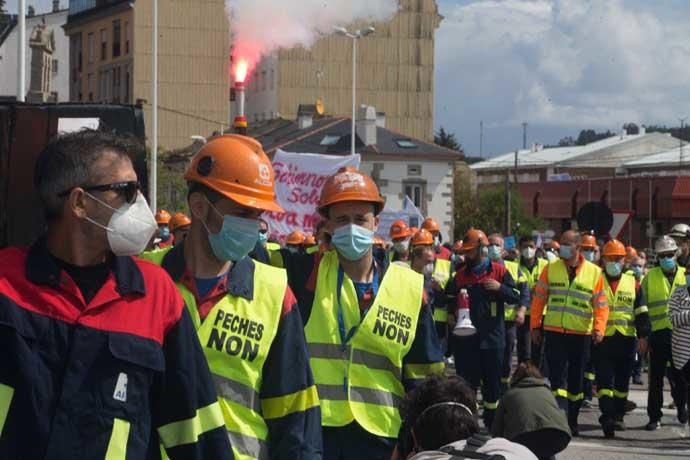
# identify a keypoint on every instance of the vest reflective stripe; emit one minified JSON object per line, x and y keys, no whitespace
{"x":509,"y":310}
{"x":6,"y":394}
{"x":362,"y":379}
{"x":569,"y":304}
{"x":117,"y":446}
{"x":236,"y":337}
{"x":658,"y":291}
{"x":621,"y":305}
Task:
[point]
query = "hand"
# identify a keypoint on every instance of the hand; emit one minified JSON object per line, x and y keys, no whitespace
{"x":536,"y":336}
{"x":597,"y":337}
{"x":642,"y":346}
{"x":520,"y":317}
{"x":451,"y":320}
{"x":491,"y":284}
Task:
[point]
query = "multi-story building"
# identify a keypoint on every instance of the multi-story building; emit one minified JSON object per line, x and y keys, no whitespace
{"x":110,"y":45}
{"x":9,"y":34}
{"x":395,"y":73}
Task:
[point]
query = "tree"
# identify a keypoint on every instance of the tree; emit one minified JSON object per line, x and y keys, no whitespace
{"x":484,"y":209}
{"x":2,"y":7}
{"x":587,"y":136}
{"x":676,"y":132}
{"x":446,"y":139}
{"x":631,"y":128}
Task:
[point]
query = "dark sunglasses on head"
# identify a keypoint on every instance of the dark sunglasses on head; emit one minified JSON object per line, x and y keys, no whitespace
{"x":129,"y":189}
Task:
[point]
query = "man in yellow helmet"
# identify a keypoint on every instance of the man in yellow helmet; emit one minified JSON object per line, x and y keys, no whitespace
{"x":370,"y":332}
{"x":245,"y":314}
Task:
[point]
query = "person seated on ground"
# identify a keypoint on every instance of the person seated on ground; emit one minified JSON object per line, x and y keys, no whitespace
{"x":528,"y":414}
{"x":440,"y":422}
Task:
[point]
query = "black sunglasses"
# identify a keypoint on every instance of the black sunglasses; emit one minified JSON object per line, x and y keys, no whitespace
{"x":129,"y":189}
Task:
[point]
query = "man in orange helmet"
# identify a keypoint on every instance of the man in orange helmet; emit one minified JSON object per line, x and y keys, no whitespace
{"x":400,"y":235}
{"x":179,"y":226}
{"x":431,"y":226}
{"x":573,"y":289}
{"x":479,"y":358}
{"x":245,"y":314}
{"x":370,"y":331}
{"x":163,"y":237}
{"x":628,"y":319}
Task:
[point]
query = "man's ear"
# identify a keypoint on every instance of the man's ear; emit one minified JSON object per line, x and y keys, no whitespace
{"x":75,"y":203}
{"x":376,"y":223}
{"x":198,"y":206}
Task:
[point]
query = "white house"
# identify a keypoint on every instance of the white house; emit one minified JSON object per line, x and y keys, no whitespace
{"x":9,"y":62}
{"x":400,"y":165}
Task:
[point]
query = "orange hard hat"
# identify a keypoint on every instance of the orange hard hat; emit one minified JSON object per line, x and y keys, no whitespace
{"x":162,"y":217}
{"x":630,"y":252}
{"x":236,"y":167}
{"x":295,"y":237}
{"x":614,"y":248}
{"x":399,"y":229}
{"x":350,"y":184}
{"x":473,"y":239}
{"x":422,"y":238}
{"x":430,"y":225}
{"x":309,"y":240}
{"x":379,"y":242}
{"x":457,"y":246}
{"x":553,"y":244}
{"x":588,"y":241}
{"x":413,"y":230}
{"x":179,"y":219}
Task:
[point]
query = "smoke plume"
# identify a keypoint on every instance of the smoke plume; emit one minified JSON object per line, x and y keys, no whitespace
{"x":260,"y":27}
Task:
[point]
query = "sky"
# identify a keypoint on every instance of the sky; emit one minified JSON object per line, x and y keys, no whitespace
{"x":559,"y":65}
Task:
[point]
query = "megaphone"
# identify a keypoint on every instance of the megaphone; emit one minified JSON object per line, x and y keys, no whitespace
{"x":463,"y":325}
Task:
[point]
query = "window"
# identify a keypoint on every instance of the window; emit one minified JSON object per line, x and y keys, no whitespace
{"x":414,"y":170}
{"x":416,"y":191}
{"x":273,"y":79}
{"x":116,"y":38}
{"x":116,"y":84}
{"x":91,"y":47}
{"x":263,"y":80}
{"x":126,"y":37}
{"x":104,"y":44}
{"x":90,"y":83}
{"x":330,"y":139}
{"x":127,"y":76}
{"x":54,"y":66}
{"x":405,"y":144}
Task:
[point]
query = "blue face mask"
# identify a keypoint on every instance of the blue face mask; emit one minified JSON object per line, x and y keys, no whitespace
{"x":614,"y":269}
{"x":481,"y":266}
{"x":164,"y":233}
{"x":236,"y":238}
{"x":352,"y":241}
{"x":495,"y":252}
{"x":637,"y":270}
{"x":667,"y":264}
{"x":566,"y":252}
{"x":588,"y":255}
{"x":263,"y":237}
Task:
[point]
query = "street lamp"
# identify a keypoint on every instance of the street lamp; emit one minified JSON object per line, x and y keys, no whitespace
{"x":356,"y":35}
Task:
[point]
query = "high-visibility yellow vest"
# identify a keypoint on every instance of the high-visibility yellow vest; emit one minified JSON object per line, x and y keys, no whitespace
{"x":515,"y":272}
{"x":362,"y":379}
{"x":621,"y":306}
{"x":569,"y":305}
{"x":532,"y":276}
{"x":442,"y":273}
{"x":658,"y":291}
{"x":236,"y":337}
{"x":275,"y":257}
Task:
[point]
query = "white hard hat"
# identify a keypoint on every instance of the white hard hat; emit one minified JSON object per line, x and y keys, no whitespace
{"x":680,"y":231}
{"x":665,"y":244}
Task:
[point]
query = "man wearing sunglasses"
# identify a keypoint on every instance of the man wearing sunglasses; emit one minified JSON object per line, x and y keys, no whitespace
{"x":245,"y":314}
{"x":99,"y":356}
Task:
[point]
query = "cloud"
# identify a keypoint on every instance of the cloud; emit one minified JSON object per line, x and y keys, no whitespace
{"x":561,"y":63}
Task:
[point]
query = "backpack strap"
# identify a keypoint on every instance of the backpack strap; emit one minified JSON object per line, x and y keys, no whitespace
{"x":470,"y":451}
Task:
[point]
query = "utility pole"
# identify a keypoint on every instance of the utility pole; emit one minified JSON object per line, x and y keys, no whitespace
{"x":680,"y":156}
{"x":481,"y":138}
{"x":524,"y":134}
{"x":506,"y":205}
{"x":21,"y":51}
